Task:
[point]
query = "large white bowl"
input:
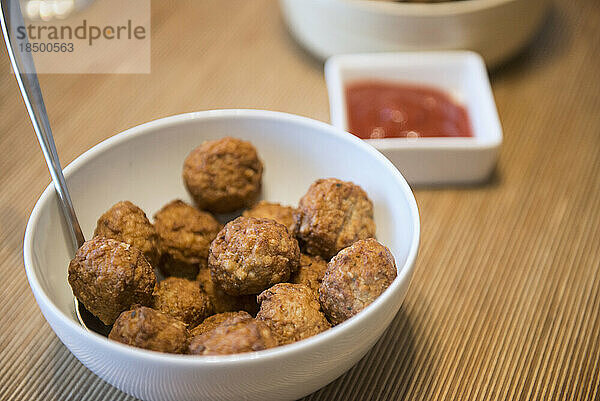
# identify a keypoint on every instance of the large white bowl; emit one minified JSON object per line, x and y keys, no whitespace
{"x":496,"y":29}
{"x":144,"y":165}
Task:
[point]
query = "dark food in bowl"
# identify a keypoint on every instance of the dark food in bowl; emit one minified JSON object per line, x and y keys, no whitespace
{"x":274,"y":211}
{"x":355,"y":277}
{"x":250,"y":255}
{"x":185,"y":235}
{"x":301,"y":295}
{"x":109,"y":276}
{"x":233,"y":336}
{"x":216,"y":320}
{"x":126,"y":222}
{"x":223,"y":302}
{"x":310,"y":272}
{"x":223,"y":175}
{"x":147,"y":328}
{"x":332,"y":215}
{"x":182,"y":299}
{"x":292,"y":312}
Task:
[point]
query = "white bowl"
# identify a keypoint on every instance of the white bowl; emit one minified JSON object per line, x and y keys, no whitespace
{"x":144,"y":165}
{"x":425,"y":161}
{"x":495,"y":28}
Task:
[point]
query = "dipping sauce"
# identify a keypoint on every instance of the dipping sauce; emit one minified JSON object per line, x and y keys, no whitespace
{"x":390,"y":110}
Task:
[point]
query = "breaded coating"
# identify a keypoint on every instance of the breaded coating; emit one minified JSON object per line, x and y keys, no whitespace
{"x":292,"y":312}
{"x":216,"y":320}
{"x":223,"y":175}
{"x":185,"y":235}
{"x":109,"y":276}
{"x":355,"y":277}
{"x":233,"y":336}
{"x":127,"y":223}
{"x":223,"y":302}
{"x":182,"y":299}
{"x":310,"y":272}
{"x":250,"y":255}
{"x":332,"y":215}
{"x":274,"y":211}
{"x":150,"y":329}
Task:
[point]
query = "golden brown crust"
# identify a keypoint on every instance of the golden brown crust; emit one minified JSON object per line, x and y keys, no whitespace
{"x":182,"y":299}
{"x":223,"y":302}
{"x":185,"y":235}
{"x":216,"y":320}
{"x":332,"y":215}
{"x":292,"y":312}
{"x":274,"y":211}
{"x":250,"y":255}
{"x":355,"y":277}
{"x":310,"y":272}
{"x":150,"y":329}
{"x":126,"y":222}
{"x":223,"y":175}
{"x":233,"y":336}
{"x":108,"y":276}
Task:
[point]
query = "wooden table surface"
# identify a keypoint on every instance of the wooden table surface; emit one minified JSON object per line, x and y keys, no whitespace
{"x":505,"y":302}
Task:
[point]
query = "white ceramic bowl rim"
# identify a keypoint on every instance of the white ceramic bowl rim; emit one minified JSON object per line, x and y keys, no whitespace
{"x":237,"y":359}
{"x":422,"y":9}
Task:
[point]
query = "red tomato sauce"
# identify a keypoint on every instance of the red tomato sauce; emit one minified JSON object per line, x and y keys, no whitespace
{"x":389,"y":110}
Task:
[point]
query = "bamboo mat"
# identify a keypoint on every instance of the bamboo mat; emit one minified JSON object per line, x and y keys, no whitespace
{"x":505,"y":302}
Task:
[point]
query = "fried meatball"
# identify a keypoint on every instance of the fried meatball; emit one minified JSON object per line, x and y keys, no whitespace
{"x":126,"y":222}
{"x":216,"y":320}
{"x":292,"y":312}
{"x":109,"y":276}
{"x":233,"y":336}
{"x":185,"y":234}
{"x":274,"y":211}
{"x":150,"y":329}
{"x":250,"y":255}
{"x":223,"y":175}
{"x":332,"y":215}
{"x":355,"y":277}
{"x":182,"y":299}
{"x":223,"y":302}
{"x":310,"y":272}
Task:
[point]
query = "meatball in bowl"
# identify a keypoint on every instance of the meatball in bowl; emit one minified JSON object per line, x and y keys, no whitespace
{"x":144,"y":165}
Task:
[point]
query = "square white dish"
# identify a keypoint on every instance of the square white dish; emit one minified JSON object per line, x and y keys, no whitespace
{"x":427,"y":161}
